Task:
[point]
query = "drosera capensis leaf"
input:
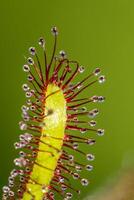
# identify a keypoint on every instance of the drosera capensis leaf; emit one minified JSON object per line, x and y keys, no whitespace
{"x":53,"y":126}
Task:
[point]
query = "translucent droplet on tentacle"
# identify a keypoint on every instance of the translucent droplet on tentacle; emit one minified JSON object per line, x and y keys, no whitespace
{"x":11,"y":194}
{"x":83,"y":130}
{"x":25,"y":87}
{"x":101,"y":99}
{"x":76,"y":175}
{"x":101,"y":79}
{"x":6,"y":189}
{"x":54,"y":30}
{"x":75,"y":145}
{"x":32,"y":50}
{"x":100,"y":132}
{"x":81,"y":69}
{"x":62,"y":54}
{"x":30,"y":61}
{"x":78,"y":168}
{"x":90,"y":157}
{"x":97,"y":71}
{"x":41,"y":41}
{"x":26,"y":68}
{"x":84,"y":182}
{"x":92,"y":123}
{"x":90,"y":141}
{"x":22,"y":125}
{"x":69,"y":195}
{"x":89,"y":167}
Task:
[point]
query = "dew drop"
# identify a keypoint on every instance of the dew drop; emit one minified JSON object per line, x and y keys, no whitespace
{"x":78,"y":168}
{"x":26,"y":68}
{"x":41,"y":42}
{"x":62,"y":54}
{"x":100,"y":132}
{"x":32,"y":107}
{"x":28,"y":94}
{"x":89,"y":167}
{"x":63,"y":187}
{"x":94,"y":98}
{"x":76,"y":176}
{"x":29,"y":102}
{"x":6,"y":189}
{"x":91,"y":141}
{"x":14,"y":173}
{"x":81,"y":69}
{"x":101,"y":99}
{"x":24,"y":108}
{"x":84,"y":182}
{"x":83,"y":109}
{"x":32,"y":50}
{"x":90,"y":157}
{"x":97,"y":71}
{"x":30,"y":61}
{"x":71,"y":157}
{"x":75,"y":145}
{"x":25,"y":87}
{"x":83,"y":130}
{"x":30,"y":78}
{"x":11,"y":194}
{"x":22,"y":125}
{"x":92,"y":123}
{"x":54,"y":30}
{"x":22,"y":153}
{"x":69,"y":195}
{"x":101,"y":79}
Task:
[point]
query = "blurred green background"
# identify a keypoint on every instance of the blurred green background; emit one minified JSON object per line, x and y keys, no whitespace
{"x":96,"y":33}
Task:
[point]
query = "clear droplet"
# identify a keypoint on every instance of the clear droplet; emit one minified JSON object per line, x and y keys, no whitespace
{"x":101,"y":79}
{"x":32,"y":107}
{"x":89,"y":167}
{"x":97,"y":71}
{"x":81,"y":69}
{"x":6,"y":189}
{"x":25,"y":87}
{"x":83,"y":109}
{"x":69,"y":195}
{"x":11,"y":194}
{"x":63,"y":187}
{"x":92,"y":123}
{"x":32,"y":50}
{"x":94,"y":98}
{"x":30,"y":61}
{"x":41,"y":41}
{"x":76,"y":176}
{"x":22,"y":125}
{"x":101,"y":99}
{"x":71,"y":157}
{"x":91,"y":141}
{"x":26,"y":68}
{"x":83,"y":130}
{"x":62,"y":54}
{"x":54,"y":30}
{"x":28,"y":94}
{"x":75,"y":145}
{"x":84,"y":182}
{"x":100,"y":132}
{"x":30,"y":78}
{"x":14,"y":173}
{"x":78,"y":168}
{"x":90,"y":157}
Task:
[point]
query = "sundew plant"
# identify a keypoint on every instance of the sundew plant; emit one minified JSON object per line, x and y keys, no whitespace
{"x":55,"y":125}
